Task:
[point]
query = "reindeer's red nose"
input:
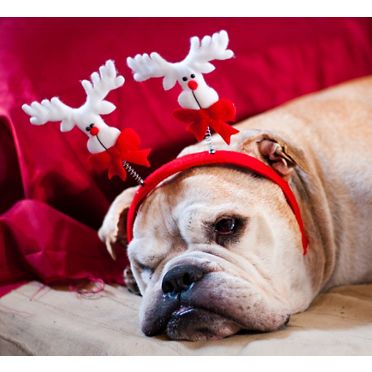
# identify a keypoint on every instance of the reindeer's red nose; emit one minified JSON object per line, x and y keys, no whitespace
{"x":192,"y":84}
{"x":94,"y":131}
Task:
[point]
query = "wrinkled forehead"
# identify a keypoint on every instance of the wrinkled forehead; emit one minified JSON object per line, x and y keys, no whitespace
{"x":210,"y":189}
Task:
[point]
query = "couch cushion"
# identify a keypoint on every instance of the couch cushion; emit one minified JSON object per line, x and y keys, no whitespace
{"x":38,"y":320}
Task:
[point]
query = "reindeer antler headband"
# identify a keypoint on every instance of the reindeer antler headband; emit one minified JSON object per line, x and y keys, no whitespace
{"x":111,"y":149}
{"x":201,"y":106}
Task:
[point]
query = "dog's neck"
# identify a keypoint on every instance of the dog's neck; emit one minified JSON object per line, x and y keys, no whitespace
{"x":331,"y":260}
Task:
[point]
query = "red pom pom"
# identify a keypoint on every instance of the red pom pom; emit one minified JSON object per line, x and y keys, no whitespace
{"x":94,"y":131}
{"x":192,"y":84}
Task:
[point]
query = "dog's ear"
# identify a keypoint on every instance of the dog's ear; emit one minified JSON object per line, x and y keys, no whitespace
{"x":114,"y":234}
{"x":273,"y":150}
{"x":113,"y":229}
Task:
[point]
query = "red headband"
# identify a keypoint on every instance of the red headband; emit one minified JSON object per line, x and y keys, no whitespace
{"x":204,"y":158}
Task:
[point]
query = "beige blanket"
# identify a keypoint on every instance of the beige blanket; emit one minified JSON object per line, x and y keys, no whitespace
{"x":38,"y":320}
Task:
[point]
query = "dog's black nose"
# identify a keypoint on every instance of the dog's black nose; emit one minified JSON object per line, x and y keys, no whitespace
{"x":180,"y":278}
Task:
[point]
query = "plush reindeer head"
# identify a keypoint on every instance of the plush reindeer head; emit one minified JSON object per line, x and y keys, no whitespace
{"x":88,"y":116}
{"x":189,"y":72}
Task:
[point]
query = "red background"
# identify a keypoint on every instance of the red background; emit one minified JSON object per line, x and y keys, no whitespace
{"x":51,"y":201}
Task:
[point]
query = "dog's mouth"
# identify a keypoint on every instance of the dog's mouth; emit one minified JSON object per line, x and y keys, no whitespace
{"x":196,"y":324}
{"x":188,"y":322}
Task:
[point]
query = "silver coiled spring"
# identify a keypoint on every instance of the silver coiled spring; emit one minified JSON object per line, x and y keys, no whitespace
{"x":208,"y":140}
{"x":133,"y":173}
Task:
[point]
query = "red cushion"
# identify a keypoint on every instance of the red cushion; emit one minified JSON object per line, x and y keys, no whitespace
{"x":276,"y":60}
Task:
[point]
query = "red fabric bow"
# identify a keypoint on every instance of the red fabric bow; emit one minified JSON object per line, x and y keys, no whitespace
{"x":215,"y":116}
{"x":127,"y":149}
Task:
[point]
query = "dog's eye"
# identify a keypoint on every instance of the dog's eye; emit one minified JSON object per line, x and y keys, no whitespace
{"x":228,"y":229}
{"x":226,"y":226}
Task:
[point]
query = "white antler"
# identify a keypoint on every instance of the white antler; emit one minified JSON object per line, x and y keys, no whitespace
{"x":147,"y":66}
{"x":208,"y":49}
{"x":89,"y":113}
{"x":154,"y":65}
{"x":99,"y":88}
{"x":96,"y":90}
{"x":50,"y":110}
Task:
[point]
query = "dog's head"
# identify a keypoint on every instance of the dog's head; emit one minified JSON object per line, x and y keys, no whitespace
{"x":217,"y":249}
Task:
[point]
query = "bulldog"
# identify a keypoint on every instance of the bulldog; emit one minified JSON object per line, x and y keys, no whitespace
{"x":217,"y":250}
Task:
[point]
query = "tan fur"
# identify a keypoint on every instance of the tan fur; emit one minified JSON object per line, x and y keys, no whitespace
{"x":325,"y":140}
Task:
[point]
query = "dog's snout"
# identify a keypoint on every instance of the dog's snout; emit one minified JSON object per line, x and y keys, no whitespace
{"x":180,"y":278}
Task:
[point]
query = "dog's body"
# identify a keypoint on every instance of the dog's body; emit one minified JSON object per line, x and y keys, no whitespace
{"x":217,"y":249}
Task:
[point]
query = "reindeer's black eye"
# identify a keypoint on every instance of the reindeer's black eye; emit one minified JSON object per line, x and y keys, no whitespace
{"x":91,"y":125}
{"x":87,"y":129}
{"x":192,"y":76}
{"x":184,"y":78}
